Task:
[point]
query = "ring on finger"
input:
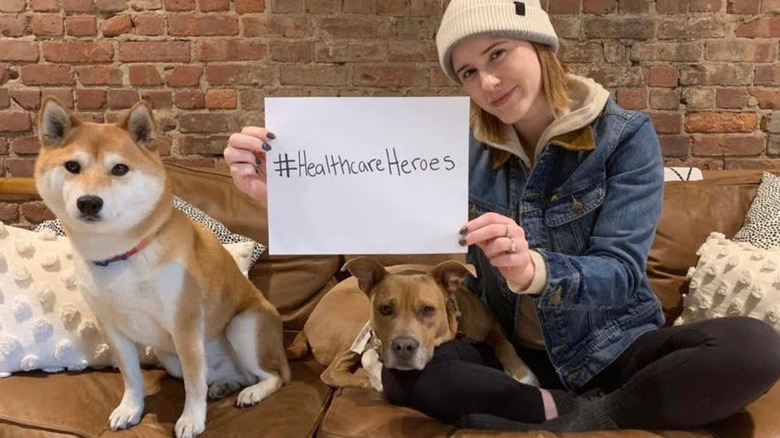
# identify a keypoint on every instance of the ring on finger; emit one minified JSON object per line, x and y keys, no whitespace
{"x":512,"y":246}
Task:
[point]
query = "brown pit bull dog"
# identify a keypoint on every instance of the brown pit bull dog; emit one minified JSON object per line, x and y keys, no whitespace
{"x":414,"y":309}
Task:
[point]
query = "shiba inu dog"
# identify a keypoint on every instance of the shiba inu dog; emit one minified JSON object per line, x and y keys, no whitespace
{"x":150,"y":275}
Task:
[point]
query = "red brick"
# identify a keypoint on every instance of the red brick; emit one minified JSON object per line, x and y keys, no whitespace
{"x":705,"y":5}
{"x":148,"y":24}
{"x":12,"y":121}
{"x":354,"y":27}
{"x":387,"y":7}
{"x":696,"y":27}
{"x":743,"y":6}
{"x":287,"y":6}
{"x":99,"y":75}
{"x":564,"y":7}
{"x":12,"y":6}
{"x":47,"y":24}
{"x":78,"y":5}
{"x":64,"y":95}
{"x":718,"y":122}
{"x":698,"y":98}
{"x":731,"y":98}
{"x":231,"y":50}
{"x":117,"y":25}
{"x":291,"y":51}
{"x":209,"y":123}
{"x":747,"y":51}
{"x":180,"y":5}
{"x":767,"y":75}
{"x":581,"y":52}
{"x":190,"y":99}
{"x":213,"y":5}
{"x":717,"y":74}
{"x":663,"y":99}
{"x":426,"y":8}
{"x":390,"y":76}
{"x":36,"y":212}
{"x":221,"y":99}
{"x":728,"y":145}
{"x":767,"y":98}
{"x":666,"y":122}
{"x":613,"y":76}
{"x":146,"y":5}
{"x":9,"y":211}
{"x":634,"y":6}
{"x":241,"y":75}
{"x":566,"y":26}
{"x":45,"y":5}
{"x":276,"y":26}
{"x":632,"y":98}
{"x":246,"y":6}
{"x":5,"y":99}
{"x":675,"y":145}
{"x":78,"y":52}
{"x":26,"y":145}
{"x":202,"y":26}
{"x":168,"y":51}
{"x":120,"y":99}
{"x":666,"y":51}
{"x":141,"y":75}
{"x":768,"y":6}
{"x":306,"y":75}
{"x":671,"y":6}
{"x":47,"y":74}
{"x":111,"y":5}
{"x":90,"y":99}
{"x":189,"y":145}
{"x":662,"y":76}
{"x":13,"y":26}
{"x":598,"y":6}
{"x":158,"y":99}
{"x":183,"y":76}
{"x":410,"y":51}
{"x":251,"y":99}
{"x":764,"y":27}
{"x":29,"y":99}
{"x":757,"y":163}
{"x":18,"y":51}
{"x":320,"y":6}
{"x":81,"y":25}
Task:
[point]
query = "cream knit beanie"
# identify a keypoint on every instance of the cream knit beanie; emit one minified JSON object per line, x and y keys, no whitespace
{"x":525,"y":20}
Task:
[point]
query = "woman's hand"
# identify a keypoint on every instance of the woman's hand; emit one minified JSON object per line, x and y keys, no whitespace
{"x":245,"y":154}
{"x":504,"y":244}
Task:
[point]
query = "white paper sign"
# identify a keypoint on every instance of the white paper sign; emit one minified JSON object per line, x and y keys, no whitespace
{"x":366,"y":175}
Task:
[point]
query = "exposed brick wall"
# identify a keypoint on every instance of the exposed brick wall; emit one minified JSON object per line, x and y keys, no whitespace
{"x":706,"y":71}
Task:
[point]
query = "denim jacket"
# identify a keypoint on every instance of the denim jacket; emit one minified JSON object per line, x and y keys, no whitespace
{"x":590,"y":207}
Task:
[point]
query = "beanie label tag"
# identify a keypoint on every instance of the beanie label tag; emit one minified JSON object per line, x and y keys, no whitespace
{"x":520,"y":8}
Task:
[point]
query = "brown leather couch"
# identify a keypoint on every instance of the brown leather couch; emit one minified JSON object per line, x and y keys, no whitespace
{"x":78,"y":404}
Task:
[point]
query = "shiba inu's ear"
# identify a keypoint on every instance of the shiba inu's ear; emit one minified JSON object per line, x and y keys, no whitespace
{"x":140,"y":124}
{"x":368,"y":272}
{"x":450,"y":274}
{"x":54,"y":122}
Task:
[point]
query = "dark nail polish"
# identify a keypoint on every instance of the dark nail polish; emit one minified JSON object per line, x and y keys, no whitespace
{"x":271,"y":135}
{"x":266,"y":147}
{"x":463,"y":231}
{"x":462,"y":242}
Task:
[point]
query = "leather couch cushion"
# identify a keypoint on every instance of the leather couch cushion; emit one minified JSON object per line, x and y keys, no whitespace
{"x":78,"y":404}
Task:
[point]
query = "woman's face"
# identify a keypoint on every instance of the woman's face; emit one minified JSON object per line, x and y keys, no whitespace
{"x":502,"y":75}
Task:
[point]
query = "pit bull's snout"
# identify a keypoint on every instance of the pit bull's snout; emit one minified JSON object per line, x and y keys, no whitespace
{"x":89,"y":205}
{"x":405,"y":348}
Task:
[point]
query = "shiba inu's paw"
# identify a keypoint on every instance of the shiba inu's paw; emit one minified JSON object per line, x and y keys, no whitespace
{"x":125,"y":415}
{"x":254,"y":394}
{"x":190,"y":426}
{"x":220,"y":389}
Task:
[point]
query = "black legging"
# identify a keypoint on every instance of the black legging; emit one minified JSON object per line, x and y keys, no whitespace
{"x":670,"y":378}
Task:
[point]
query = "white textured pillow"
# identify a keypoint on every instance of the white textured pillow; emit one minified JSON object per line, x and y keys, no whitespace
{"x":731,"y":279}
{"x":44,"y":322}
{"x":762,"y":222}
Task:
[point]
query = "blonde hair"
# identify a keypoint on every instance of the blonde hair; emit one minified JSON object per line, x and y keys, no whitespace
{"x":553,"y":86}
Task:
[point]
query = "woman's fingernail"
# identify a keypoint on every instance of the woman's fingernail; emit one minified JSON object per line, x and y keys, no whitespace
{"x":462,"y":242}
{"x":266,"y":147}
{"x":463,"y":231}
{"x":271,"y":135}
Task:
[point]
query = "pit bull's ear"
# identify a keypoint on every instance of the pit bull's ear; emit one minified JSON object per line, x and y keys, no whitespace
{"x":368,"y":272}
{"x":139,"y":122}
{"x":54,"y":122}
{"x":450,"y":274}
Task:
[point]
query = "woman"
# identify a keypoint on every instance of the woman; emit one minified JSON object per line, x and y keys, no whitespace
{"x":565,"y":194}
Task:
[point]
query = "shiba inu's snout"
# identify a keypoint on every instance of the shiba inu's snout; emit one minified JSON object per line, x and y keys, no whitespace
{"x":89,"y":206}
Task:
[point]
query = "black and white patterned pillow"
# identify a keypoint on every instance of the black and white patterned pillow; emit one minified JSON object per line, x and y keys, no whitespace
{"x":224,"y":235}
{"x":762,"y":222}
